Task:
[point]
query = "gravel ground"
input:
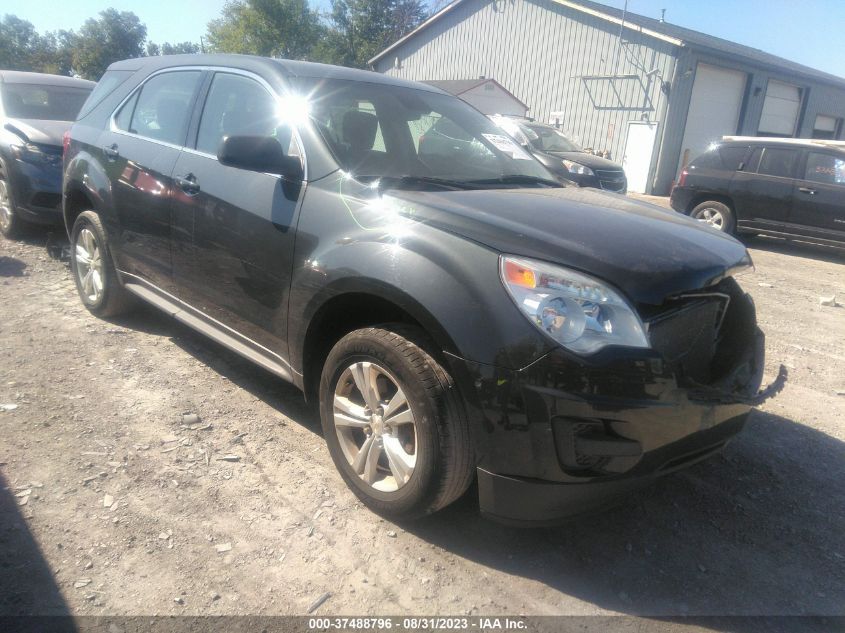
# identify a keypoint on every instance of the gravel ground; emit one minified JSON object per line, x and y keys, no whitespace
{"x":111,"y":503}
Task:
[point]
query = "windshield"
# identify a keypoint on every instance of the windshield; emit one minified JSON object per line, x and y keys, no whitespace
{"x":548,"y":139}
{"x":382,"y":131}
{"x":51,"y":103}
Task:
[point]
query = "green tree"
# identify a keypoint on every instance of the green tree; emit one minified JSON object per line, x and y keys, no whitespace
{"x":22,"y":48}
{"x":152,"y":49}
{"x":271,"y":28}
{"x":179,"y":49}
{"x":111,"y":37}
{"x":18,"y":43}
{"x":361,"y":28}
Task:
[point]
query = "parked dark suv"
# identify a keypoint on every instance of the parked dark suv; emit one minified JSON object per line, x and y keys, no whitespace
{"x":780,"y":187}
{"x":455,"y":315}
{"x":35,"y":111}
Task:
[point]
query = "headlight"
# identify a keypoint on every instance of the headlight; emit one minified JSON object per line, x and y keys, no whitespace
{"x":579,"y":312}
{"x":30,"y":153}
{"x":577,"y":168}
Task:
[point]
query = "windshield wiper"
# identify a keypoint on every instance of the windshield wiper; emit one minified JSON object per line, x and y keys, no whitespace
{"x":393,"y":182}
{"x":516,"y":179}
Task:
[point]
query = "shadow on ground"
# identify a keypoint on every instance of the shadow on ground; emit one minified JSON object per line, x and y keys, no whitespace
{"x":279,"y":394}
{"x":796,"y":249}
{"x":27,"y":585}
{"x":11,"y":267}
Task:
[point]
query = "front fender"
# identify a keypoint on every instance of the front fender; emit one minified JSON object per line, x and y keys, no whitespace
{"x":449,"y":284}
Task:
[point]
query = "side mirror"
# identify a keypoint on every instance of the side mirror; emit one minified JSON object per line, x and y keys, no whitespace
{"x":259,"y":153}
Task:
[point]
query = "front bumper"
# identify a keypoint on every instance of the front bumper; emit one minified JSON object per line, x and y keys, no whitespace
{"x":37,"y":191}
{"x":568,"y":435}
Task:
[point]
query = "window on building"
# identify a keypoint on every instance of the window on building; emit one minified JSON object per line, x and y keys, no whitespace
{"x":780,"y":110}
{"x":825,"y":168}
{"x":778,"y":162}
{"x":827,"y":127}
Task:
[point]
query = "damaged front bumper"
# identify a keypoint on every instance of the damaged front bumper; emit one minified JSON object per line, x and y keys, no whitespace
{"x":567,"y":435}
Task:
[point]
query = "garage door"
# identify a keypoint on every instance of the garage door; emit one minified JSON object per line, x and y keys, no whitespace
{"x":714,"y":109}
{"x":780,"y":109}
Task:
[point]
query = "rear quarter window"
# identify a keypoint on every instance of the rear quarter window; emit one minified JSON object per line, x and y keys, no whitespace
{"x":108,"y":83}
{"x":722,"y":158}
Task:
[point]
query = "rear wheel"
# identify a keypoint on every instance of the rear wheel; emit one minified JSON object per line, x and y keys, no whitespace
{"x":393,"y":423}
{"x":93,"y":270}
{"x":716,"y":214}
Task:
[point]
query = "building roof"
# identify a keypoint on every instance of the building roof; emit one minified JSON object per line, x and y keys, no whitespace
{"x":457,"y":87}
{"x":42,"y":79}
{"x":661,"y":30}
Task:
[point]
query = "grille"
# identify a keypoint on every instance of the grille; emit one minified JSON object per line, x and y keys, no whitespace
{"x":612,"y":180}
{"x":686,"y":337}
{"x":702,"y":335}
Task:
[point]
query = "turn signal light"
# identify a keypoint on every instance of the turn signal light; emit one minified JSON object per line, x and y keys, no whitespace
{"x":519,"y":275}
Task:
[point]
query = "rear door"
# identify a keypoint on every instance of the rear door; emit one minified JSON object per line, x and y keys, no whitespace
{"x":762,"y":191}
{"x":819,"y":206}
{"x":139,"y":151}
{"x":234,"y":229}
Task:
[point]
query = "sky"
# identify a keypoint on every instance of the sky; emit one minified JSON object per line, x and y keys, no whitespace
{"x":806,"y":32}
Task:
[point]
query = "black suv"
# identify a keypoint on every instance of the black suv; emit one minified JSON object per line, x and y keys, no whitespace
{"x":456,"y":313}
{"x":781,"y":187}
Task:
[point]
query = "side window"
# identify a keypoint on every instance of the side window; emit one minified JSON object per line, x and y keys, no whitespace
{"x":778,"y":162}
{"x":732,"y":157}
{"x":825,"y":168}
{"x":754,"y":160}
{"x":164,"y":105}
{"x":124,"y":117}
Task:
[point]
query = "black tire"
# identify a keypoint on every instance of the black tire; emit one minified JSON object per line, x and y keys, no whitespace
{"x":444,"y":457}
{"x":113,"y":299}
{"x":728,"y":222}
{"x":13,"y":227}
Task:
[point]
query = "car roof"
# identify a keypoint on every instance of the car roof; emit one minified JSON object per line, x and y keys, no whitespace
{"x":776,"y":140}
{"x":288,"y":68}
{"x":43,"y":79}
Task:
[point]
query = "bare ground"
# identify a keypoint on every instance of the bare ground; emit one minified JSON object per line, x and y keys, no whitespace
{"x":98,"y":421}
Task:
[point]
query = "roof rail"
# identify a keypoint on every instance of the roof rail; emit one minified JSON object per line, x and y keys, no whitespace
{"x":793,"y":141}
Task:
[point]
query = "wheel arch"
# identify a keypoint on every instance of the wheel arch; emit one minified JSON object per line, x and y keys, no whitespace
{"x":363,"y":303}
{"x":710,"y":197}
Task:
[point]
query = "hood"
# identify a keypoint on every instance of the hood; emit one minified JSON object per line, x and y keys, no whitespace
{"x":648,"y":252}
{"x":590,"y":160}
{"x":39,"y":131}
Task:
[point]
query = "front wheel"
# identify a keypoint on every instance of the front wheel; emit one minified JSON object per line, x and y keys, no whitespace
{"x":716,"y":214}
{"x":10,"y":223}
{"x":394,"y":425}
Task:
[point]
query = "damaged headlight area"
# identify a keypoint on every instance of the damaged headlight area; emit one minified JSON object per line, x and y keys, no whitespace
{"x":580,"y":312}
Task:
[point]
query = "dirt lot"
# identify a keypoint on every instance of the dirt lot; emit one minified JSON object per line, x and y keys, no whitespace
{"x":110,"y":504}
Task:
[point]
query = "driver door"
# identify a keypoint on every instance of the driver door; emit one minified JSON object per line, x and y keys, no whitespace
{"x":233,"y":228}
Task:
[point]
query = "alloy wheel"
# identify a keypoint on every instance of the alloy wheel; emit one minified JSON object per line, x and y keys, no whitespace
{"x":5,"y":207}
{"x":89,"y":265}
{"x":375,"y":426}
{"x":711,"y":216}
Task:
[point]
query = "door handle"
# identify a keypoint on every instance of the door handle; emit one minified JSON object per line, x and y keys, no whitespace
{"x":111,"y":151}
{"x":188,"y":184}
{"x":807,"y":190}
